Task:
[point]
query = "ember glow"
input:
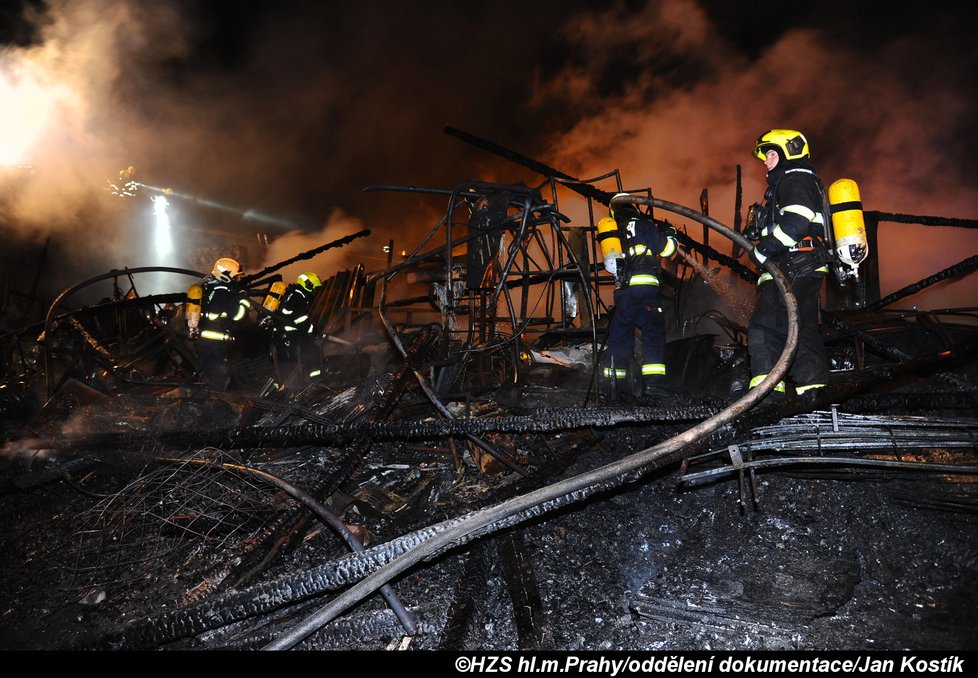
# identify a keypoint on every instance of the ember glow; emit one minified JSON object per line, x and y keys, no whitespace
{"x":671,"y":93}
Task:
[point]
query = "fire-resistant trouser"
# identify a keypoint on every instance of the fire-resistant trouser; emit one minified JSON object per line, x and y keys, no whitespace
{"x":768,"y":332}
{"x":637,"y":306}
{"x":296,"y":349}
{"x":213,"y":355}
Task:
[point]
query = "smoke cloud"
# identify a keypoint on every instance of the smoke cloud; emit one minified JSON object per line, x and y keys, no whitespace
{"x":892,"y":120}
{"x":291,"y":111}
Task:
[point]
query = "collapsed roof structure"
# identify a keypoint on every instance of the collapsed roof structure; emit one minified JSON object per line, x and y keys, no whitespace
{"x":458,"y":408}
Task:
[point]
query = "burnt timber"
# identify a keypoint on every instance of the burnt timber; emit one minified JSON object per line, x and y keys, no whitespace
{"x":456,"y":456}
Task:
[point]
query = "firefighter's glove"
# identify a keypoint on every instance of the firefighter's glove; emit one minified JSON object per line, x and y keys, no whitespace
{"x":669,"y":231}
{"x":764,"y":250}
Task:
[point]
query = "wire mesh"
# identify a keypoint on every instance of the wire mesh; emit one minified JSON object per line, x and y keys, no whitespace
{"x":165,"y":519}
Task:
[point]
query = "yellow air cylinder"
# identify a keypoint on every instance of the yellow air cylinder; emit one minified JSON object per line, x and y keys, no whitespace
{"x":851,"y":244}
{"x":274,"y":296}
{"x":608,"y":239}
{"x":194,"y":295}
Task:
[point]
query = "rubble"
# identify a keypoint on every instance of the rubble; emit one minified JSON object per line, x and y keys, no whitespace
{"x":457,"y":456}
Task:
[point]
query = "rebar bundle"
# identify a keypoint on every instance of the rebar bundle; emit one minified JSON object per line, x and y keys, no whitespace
{"x":815,"y":436}
{"x":821,"y":430}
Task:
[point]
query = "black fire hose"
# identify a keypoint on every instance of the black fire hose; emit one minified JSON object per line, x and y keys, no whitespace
{"x":653,"y":457}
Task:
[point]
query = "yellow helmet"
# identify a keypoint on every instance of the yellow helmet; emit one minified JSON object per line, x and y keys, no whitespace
{"x":792,"y":144}
{"x":308,"y":281}
{"x":226,"y":269}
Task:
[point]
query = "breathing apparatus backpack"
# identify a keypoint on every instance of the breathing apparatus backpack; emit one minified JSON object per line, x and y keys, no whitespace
{"x":616,"y":243}
{"x":843,"y":245}
{"x":626,"y":265}
{"x":850,"y":245}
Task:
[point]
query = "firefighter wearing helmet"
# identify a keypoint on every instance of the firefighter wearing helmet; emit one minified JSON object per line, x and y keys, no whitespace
{"x":635,"y":265}
{"x":789,"y":229}
{"x":293,"y":333}
{"x":215,"y":307}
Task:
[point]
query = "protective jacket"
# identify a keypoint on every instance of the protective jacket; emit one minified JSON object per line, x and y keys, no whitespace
{"x":293,"y":313}
{"x":644,"y":243}
{"x":793,"y":220}
{"x":222,"y":306}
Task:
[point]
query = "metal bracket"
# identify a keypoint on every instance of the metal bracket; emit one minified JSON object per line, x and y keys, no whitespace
{"x":737,"y":461}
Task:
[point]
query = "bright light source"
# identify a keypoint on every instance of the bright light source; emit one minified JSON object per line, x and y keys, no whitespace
{"x":164,"y":240}
{"x":26,"y":104}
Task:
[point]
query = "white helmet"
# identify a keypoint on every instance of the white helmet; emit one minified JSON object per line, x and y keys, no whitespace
{"x":226,"y":269}
{"x":627,"y":206}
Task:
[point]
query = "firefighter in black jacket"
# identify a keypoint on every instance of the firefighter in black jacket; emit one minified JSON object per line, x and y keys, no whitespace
{"x":789,"y":229}
{"x":293,"y":343}
{"x":637,"y":301}
{"x":214,"y":308}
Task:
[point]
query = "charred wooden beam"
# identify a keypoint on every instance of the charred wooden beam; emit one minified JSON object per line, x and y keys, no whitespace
{"x":543,"y":421}
{"x":963,"y":267}
{"x":463,"y":626}
{"x":308,"y":254}
{"x":923,"y":220}
{"x":521,"y":583}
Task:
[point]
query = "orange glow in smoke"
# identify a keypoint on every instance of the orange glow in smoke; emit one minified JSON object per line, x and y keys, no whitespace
{"x":26,"y":105}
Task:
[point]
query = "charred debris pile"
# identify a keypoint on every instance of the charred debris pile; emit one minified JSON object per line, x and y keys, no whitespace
{"x":458,"y":405}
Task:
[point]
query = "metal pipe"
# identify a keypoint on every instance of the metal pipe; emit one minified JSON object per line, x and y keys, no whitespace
{"x":475,"y":440}
{"x":441,"y":407}
{"x":694,"y":478}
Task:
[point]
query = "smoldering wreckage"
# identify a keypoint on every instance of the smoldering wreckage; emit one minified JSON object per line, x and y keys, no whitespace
{"x":458,"y":478}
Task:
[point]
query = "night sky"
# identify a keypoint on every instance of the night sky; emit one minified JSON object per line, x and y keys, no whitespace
{"x":292,"y":108}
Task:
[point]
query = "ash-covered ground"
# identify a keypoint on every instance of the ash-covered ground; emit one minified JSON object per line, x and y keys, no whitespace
{"x":124,"y":547}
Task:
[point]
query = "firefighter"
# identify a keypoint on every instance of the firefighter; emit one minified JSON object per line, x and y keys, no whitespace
{"x":637,"y":300}
{"x":789,"y":231}
{"x":214,"y":308}
{"x":293,"y":340}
